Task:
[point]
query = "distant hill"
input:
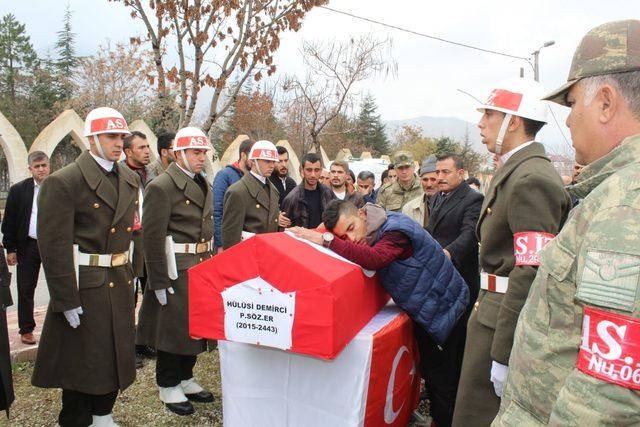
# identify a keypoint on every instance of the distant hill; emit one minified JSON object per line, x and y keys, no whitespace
{"x":436,"y":127}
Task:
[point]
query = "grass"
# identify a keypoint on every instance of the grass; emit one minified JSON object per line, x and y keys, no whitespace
{"x":137,"y":406}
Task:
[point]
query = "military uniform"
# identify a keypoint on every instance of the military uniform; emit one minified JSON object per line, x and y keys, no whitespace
{"x":525,"y":195}
{"x":393,"y":197}
{"x":575,"y":356}
{"x":174,"y":205}
{"x":155,"y":169}
{"x":85,"y":205}
{"x":249,"y":205}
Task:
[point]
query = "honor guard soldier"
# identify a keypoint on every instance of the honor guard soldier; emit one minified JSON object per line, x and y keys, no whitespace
{"x":576,"y":355}
{"x":85,"y":220}
{"x":251,"y":204}
{"x":525,"y":206}
{"x":177,"y":220}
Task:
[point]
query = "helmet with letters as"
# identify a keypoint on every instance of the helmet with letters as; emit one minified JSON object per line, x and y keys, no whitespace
{"x":264,"y":150}
{"x":191,"y":138}
{"x":105,"y":120}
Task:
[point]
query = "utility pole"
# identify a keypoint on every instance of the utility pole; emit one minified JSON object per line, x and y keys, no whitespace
{"x":536,"y":61}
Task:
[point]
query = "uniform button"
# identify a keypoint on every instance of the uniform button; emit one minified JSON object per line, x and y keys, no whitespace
{"x":187,"y":202}
{"x":203,"y":219}
{"x":211,"y":216}
{"x":476,"y":305}
{"x":129,"y":282}
{"x":96,"y":205}
{"x":128,"y":229}
{"x":111,"y":285}
{"x":113,"y":230}
{"x":202,"y":240}
{"x":258,"y":206}
{"x":136,"y":203}
{"x":276,"y":220}
{"x":489,"y":211}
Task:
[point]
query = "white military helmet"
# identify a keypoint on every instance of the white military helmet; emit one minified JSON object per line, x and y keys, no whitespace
{"x":191,"y":137}
{"x":105,"y":120}
{"x":516,"y":97}
{"x":264,"y":150}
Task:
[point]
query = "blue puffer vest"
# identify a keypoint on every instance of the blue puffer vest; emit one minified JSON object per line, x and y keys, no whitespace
{"x":426,"y":285}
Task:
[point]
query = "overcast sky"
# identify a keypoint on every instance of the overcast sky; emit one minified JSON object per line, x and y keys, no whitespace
{"x":429,"y":71}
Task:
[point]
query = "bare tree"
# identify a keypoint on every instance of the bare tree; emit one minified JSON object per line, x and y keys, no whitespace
{"x":215,"y":40}
{"x":328,"y":89}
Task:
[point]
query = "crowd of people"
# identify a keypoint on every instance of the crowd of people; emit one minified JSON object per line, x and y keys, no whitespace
{"x":525,"y":297}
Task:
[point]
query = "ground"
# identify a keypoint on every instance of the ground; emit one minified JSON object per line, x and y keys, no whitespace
{"x":137,"y":406}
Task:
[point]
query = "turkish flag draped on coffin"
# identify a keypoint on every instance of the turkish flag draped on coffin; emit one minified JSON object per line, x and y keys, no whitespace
{"x":278,"y":291}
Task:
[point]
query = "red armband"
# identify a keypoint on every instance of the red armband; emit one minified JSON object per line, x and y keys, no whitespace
{"x":527,"y":246}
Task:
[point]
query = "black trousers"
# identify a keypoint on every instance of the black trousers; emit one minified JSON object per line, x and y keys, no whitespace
{"x":78,"y":408}
{"x":28,"y":270}
{"x":440,"y":369}
{"x":173,"y":368}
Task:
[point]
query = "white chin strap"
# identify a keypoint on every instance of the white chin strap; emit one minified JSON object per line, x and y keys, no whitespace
{"x":502,"y":132}
{"x":184,"y":160}
{"x":258,"y":167}
{"x":99,"y":147}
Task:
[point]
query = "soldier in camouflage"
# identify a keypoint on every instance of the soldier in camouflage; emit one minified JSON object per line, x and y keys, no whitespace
{"x":576,"y":355}
{"x":406,"y":187}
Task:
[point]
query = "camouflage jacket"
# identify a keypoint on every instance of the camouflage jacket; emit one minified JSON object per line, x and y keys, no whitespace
{"x":592,"y":264}
{"x":393,"y":197}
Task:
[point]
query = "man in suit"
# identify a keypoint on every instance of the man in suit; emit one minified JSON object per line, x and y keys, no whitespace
{"x":454,"y":214}
{"x":280,"y":178}
{"x":85,"y":223}
{"x":19,"y":229}
{"x":251,"y":204}
{"x":178,"y":204}
{"x":6,"y":379}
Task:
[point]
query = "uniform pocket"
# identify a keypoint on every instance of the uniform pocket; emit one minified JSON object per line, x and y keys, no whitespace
{"x":91,"y":277}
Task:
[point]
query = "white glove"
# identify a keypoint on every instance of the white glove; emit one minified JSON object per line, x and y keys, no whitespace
{"x":498,"y":377}
{"x":161,"y":294}
{"x":73,"y":316}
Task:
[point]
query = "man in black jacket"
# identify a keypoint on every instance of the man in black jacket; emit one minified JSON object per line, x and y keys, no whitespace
{"x":6,"y":379}
{"x":280,"y":177}
{"x":454,"y":213}
{"x":20,"y":239}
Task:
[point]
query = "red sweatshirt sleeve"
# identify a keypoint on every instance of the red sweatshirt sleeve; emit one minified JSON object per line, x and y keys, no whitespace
{"x":391,"y":247}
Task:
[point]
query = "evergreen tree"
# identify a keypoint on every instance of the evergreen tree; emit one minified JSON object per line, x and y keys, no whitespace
{"x":370,"y":129}
{"x":17,"y":59}
{"x":67,"y":60}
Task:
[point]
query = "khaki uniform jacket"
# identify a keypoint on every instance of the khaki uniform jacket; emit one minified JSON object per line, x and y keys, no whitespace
{"x":393,"y":197}
{"x":593,"y":262}
{"x":415,"y":209}
{"x":249,"y":206}
{"x":526,"y":194}
{"x":174,"y":205}
{"x":154,"y":169}
{"x":79,"y":205}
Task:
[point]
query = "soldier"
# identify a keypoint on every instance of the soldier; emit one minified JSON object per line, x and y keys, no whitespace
{"x":251,"y":204}
{"x":525,"y":205}
{"x":575,"y":358}
{"x":406,"y":187}
{"x":178,"y":227}
{"x":85,"y":219}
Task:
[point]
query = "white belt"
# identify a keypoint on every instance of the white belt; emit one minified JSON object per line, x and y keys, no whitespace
{"x":493,"y":283}
{"x":103,"y":260}
{"x":193,"y":248}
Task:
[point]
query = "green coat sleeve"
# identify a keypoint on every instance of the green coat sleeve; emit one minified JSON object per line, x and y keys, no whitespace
{"x":155,"y":223}
{"x":537,"y":203}
{"x":56,"y":214}
{"x":233,"y":216}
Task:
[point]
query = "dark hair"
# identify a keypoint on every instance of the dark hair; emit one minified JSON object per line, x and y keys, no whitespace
{"x":364,"y":175}
{"x":385,"y":175}
{"x":532,"y":127}
{"x":391,"y":166}
{"x":311,"y":158}
{"x":353,"y":176}
{"x":245,"y":147}
{"x":127,"y":139}
{"x":457,"y":160}
{"x":164,"y":141}
{"x":36,"y":156}
{"x":334,"y":210}
{"x":473,"y":180}
{"x":281,"y":150}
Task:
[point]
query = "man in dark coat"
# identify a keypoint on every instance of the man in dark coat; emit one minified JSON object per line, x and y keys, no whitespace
{"x":6,"y":379}
{"x":280,"y":177}
{"x":19,"y":237}
{"x":178,"y":230}
{"x":85,"y":224}
{"x":453,"y":217}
